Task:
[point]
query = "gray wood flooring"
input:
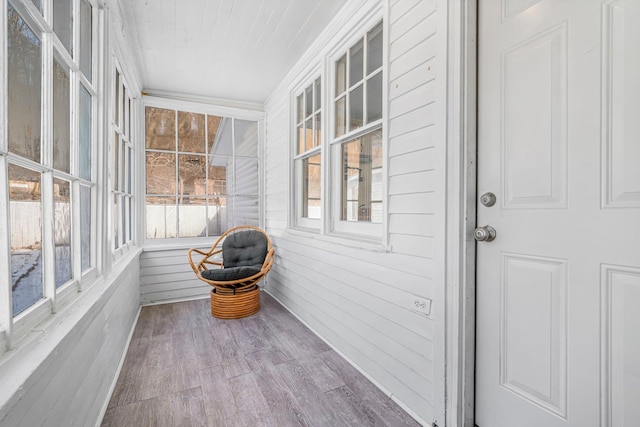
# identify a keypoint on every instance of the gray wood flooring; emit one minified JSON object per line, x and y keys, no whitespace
{"x":187,"y":368}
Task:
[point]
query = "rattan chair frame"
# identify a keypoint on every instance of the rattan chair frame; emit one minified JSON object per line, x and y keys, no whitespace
{"x":230,"y":287}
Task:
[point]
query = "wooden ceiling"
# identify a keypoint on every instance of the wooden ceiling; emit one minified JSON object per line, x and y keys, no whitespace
{"x":231,"y":49}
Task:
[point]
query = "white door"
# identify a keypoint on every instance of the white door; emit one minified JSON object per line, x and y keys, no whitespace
{"x":558,"y":290}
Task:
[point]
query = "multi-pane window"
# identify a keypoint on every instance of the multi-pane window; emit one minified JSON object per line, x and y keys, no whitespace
{"x":201,"y":173}
{"x":49,"y":148}
{"x":308,"y":159}
{"x":121,"y":164}
{"x":357,"y":142}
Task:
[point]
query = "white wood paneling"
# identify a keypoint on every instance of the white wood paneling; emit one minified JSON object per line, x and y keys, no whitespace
{"x":225,"y":49}
{"x":356,"y":297}
{"x":165,"y":275}
{"x":63,"y":376}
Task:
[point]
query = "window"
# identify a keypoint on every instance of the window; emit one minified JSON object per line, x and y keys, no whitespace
{"x":122,"y":201}
{"x":308,"y":158}
{"x":48,"y":153}
{"x":356,"y":147}
{"x":352,"y":205}
{"x":202,"y":173}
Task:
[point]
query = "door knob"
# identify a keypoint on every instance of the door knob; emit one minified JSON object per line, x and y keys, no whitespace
{"x":484,"y":234}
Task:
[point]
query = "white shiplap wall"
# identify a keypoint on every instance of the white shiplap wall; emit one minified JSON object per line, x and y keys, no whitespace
{"x":63,"y":376}
{"x":359,"y":299}
{"x":165,"y":275}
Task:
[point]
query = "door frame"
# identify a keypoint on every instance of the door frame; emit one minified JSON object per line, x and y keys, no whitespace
{"x":461,"y":186}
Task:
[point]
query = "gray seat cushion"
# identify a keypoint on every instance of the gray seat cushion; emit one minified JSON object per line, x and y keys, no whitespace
{"x":231,"y":273}
{"x":244,"y":248}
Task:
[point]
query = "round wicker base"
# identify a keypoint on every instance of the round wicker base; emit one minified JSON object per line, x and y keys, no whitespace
{"x":235,"y":306}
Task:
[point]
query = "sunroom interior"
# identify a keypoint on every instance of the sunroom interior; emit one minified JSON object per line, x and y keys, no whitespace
{"x":133,"y":131}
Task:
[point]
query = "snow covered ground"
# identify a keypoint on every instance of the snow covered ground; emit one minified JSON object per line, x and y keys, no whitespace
{"x":26,"y":275}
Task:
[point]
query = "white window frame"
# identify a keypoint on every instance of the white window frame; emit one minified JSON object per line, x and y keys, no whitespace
{"x":13,"y":328}
{"x":125,"y":125}
{"x":207,"y":108}
{"x":366,"y":231}
{"x":299,"y":221}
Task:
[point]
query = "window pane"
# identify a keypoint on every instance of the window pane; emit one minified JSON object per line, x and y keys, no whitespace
{"x":355,"y":63}
{"x":125,"y":174}
{"x":129,"y":170}
{"x":361,"y":178}
{"x":374,"y":98}
{"x":116,"y":100}
{"x":116,"y":221}
{"x":217,"y":180}
{"x":85,"y":227}
{"x":123,"y":220}
{"x":246,"y":138}
{"x":85,"y":38}
{"x":191,"y":132}
{"x":24,"y":83}
{"x":374,"y":49}
{"x":25,"y":206}
{"x":300,"y":108}
{"x":341,"y":75}
{"x":341,"y":116}
{"x":311,"y":169}
{"x":355,"y":108}
{"x":85,"y":133}
{"x":116,"y":162}
{"x":308,"y":134}
{"x":129,"y":117}
{"x":246,"y":177}
{"x":61,"y":117}
{"x":160,"y":125}
{"x":63,"y":22}
{"x":192,"y":179}
{"x":217,"y":222}
{"x":318,"y":129}
{"x":317,"y":94}
{"x":300,"y":137}
{"x":161,"y":173}
{"x":214,"y":135}
{"x":308,"y":96}
{"x":62,"y":231}
{"x":161,"y":217}
{"x":131,"y":219}
{"x":124,"y":120}
{"x":192,"y":214}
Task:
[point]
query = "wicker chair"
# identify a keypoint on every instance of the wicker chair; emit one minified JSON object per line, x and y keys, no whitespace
{"x":234,"y":265}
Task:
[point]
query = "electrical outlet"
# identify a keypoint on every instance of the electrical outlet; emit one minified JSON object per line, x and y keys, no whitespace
{"x":421,"y":305}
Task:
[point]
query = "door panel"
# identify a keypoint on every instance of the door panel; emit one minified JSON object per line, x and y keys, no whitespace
{"x":558,"y":290}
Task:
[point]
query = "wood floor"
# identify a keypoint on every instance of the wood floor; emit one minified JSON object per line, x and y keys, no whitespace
{"x":186,"y":368}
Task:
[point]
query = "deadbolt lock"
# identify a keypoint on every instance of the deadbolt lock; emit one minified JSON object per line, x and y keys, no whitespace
{"x":485,"y":234}
{"x":488,"y":199}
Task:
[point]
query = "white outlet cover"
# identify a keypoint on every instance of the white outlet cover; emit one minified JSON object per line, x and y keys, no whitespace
{"x":420,"y":305}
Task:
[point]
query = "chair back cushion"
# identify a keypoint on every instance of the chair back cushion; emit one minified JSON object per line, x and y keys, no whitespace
{"x":244,"y":248}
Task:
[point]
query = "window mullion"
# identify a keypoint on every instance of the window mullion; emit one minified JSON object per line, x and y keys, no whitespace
{"x":177,"y":195}
{"x":76,"y":243}
{"x":6,"y":318}
{"x":48,"y":245}
{"x":233,"y":170}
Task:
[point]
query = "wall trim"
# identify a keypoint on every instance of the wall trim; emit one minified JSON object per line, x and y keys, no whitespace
{"x":459,"y":326}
